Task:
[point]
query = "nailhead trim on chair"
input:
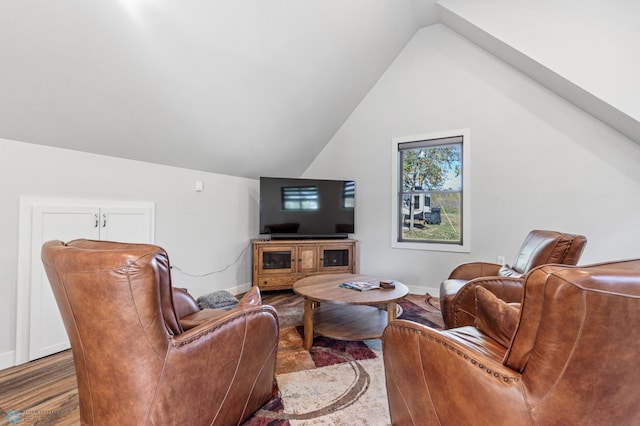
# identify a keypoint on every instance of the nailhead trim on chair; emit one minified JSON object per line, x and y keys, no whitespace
{"x":461,"y":354}
{"x":473,"y":361}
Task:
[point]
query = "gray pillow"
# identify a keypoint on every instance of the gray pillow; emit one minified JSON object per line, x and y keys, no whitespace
{"x":218,"y":300}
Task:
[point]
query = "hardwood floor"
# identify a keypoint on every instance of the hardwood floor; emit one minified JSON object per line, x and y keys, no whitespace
{"x":44,"y":391}
{"x":41,"y":392}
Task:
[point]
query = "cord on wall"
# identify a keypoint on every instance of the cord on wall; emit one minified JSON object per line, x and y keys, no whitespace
{"x":213,"y":272}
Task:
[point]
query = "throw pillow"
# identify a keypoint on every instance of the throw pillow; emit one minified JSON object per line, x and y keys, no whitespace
{"x":217,"y":300}
{"x":495,"y":317}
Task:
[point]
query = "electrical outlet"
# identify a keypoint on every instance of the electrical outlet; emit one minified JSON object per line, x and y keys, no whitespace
{"x":501,"y":260}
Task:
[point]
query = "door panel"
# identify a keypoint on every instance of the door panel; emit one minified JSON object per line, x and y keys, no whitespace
{"x":47,"y":334}
{"x":307,"y":259}
{"x":126,"y":224}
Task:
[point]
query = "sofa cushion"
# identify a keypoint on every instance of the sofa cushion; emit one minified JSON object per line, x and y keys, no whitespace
{"x":495,"y":317}
{"x":197,"y":318}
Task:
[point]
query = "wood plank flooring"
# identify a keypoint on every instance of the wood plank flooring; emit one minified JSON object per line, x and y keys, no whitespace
{"x":41,"y":392}
{"x":44,"y":391}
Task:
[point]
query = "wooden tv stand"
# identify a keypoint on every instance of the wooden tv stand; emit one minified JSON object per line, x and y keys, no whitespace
{"x":277,"y":264}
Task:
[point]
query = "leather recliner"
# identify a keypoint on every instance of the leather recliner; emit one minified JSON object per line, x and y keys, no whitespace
{"x":571,"y":359}
{"x":144,"y":353}
{"x":457,"y":293}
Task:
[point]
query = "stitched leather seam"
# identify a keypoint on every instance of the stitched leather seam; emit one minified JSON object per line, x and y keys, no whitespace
{"x":235,"y":373}
{"x":426,"y":386}
{"x":528,"y":267}
{"x":81,"y":349}
{"x":217,"y":326}
{"x":456,"y":301}
{"x":566,"y":249}
{"x":555,"y":384}
{"x":472,"y":360}
{"x":127,"y":271}
{"x":454,"y":305}
{"x":463,"y":355}
{"x":156,"y":393}
{"x":253,"y":386}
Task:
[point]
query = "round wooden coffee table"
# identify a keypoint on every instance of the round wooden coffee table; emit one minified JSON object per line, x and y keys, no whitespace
{"x":346,"y":314}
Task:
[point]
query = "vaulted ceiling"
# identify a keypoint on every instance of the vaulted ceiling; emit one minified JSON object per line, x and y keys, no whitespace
{"x":259,"y":87}
{"x":239,"y":87}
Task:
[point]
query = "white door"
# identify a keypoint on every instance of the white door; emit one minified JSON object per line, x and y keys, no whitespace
{"x":126,"y":224}
{"x":47,"y":334}
{"x":66,"y":221}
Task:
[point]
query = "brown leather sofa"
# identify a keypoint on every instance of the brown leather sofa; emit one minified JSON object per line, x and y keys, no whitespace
{"x":457,"y":293}
{"x":570,"y":359}
{"x":146,"y":356}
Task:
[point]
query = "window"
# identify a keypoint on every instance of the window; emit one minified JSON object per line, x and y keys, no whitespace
{"x":430,"y":206}
{"x":300,"y":198}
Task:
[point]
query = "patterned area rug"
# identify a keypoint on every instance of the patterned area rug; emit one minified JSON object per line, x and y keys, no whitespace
{"x":335,"y":382}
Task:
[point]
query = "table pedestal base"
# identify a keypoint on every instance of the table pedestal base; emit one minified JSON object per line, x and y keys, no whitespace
{"x":344,"y":321}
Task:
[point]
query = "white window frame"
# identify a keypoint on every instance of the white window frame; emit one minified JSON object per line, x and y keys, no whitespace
{"x":465,"y":247}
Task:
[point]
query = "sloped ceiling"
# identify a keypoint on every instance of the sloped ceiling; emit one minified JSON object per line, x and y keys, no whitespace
{"x":239,"y":87}
{"x":587,"y":51}
{"x":258,"y":87}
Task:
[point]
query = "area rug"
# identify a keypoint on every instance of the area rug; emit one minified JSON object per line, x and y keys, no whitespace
{"x":335,"y":382}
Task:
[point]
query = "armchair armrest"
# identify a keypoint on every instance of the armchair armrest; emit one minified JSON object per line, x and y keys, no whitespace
{"x":251,"y":297}
{"x":433,"y":377}
{"x":193,"y":319}
{"x":509,"y":289}
{"x":210,"y":358}
{"x":471,"y":270}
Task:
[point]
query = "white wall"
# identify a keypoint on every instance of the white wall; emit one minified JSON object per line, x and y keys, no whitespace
{"x":537,"y":161}
{"x":202,"y":231}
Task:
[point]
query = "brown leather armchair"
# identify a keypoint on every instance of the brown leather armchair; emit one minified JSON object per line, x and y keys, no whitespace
{"x":144,"y":353}
{"x":457,"y":293}
{"x":570,"y":361}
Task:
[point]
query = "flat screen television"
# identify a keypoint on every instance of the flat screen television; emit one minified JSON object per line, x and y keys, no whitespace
{"x":306,"y":208}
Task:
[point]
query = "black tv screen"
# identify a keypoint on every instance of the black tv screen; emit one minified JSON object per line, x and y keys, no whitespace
{"x":306,"y":208}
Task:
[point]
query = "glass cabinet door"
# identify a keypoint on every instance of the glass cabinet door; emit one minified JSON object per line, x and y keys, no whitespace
{"x":336,"y":258}
{"x":277,"y":259}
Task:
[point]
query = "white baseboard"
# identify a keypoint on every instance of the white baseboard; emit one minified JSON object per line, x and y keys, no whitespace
{"x":417,"y":289}
{"x":7,"y":359}
{"x":239,"y":289}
